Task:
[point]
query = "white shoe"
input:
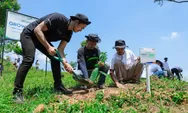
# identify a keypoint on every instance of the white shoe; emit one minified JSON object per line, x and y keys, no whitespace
{"x":83,"y":87}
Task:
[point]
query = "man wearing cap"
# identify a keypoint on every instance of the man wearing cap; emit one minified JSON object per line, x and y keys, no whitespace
{"x":155,"y":68}
{"x":166,"y":68}
{"x":89,"y":51}
{"x":39,"y":35}
{"x":125,"y":66}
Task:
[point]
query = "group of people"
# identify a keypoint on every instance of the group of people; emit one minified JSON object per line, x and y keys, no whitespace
{"x":17,"y":63}
{"x":162,"y":69}
{"x":125,"y":65}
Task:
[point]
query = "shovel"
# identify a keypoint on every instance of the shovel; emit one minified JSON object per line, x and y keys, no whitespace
{"x":77,"y":74}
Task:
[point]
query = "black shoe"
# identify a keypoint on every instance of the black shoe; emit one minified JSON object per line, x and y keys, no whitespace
{"x":135,"y":82}
{"x":18,"y":96}
{"x":63,"y":90}
{"x":121,"y":82}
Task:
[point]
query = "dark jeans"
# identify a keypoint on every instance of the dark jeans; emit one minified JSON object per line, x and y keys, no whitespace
{"x":102,"y":77}
{"x":29,"y":45}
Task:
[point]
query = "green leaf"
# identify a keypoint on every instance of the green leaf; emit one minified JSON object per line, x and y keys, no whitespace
{"x":94,"y":74}
{"x":93,"y":58}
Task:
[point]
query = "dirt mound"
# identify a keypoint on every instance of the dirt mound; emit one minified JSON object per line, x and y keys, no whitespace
{"x":89,"y":94}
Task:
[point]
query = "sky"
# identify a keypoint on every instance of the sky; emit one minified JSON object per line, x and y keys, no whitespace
{"x":141,"y":23}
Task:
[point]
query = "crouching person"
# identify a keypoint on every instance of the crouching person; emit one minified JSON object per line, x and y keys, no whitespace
{"x":155,"y":68}
{"x":125,"y":66}
{"x":177,"y":71}
{"x":87,"y":66}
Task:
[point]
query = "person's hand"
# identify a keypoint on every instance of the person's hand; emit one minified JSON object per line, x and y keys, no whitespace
{"x":51,"y":51}
{"x":68,"y":67}
{"x":120,"y":85}
{"x":101,"y":63}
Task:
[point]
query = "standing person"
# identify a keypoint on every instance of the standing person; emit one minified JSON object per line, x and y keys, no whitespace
{"x":177,"y":70}
{"x":39,"y":35}
{"x":88,"y":51}
{"x":37,"y":64}
{"x":167,"y":68}
{"x":125,"y":66}
{"x":18,"y":62}
{"x":15,"y":64}
{"x":1,"y":69}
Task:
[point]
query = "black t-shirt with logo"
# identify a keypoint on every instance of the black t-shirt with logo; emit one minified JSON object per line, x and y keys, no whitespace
{"x":57,"y":25}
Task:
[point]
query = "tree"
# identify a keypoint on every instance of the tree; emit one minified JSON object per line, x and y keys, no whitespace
{"x":83,"y":43}
{"x":175,"y":1}
{"x":7,"y":4}
{"x":4,"y":5}
{"x":9,"y":46}
{"x":18,"y":50}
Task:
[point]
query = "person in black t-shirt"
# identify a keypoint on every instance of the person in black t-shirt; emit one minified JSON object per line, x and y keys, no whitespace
{"x":89,"y":51}
{"x":39,"y":35}
{"x":178,"y":71}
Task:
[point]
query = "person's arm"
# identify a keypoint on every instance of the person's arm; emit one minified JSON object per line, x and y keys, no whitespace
{"x":119,"y":85}
{"x":61,"y":49}
{"x":112,"y":75}
{"x":101,"y":64}
{"x":82,"y":62}
{"x":41,"y":37}
{"x":134,"y":57}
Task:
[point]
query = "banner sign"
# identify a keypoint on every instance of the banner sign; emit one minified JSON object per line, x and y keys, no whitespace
{"x":15,"y":23}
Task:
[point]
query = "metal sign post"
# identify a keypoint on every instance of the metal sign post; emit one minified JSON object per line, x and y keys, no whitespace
{"x":147,"y":55}
{"x":148,"y":89}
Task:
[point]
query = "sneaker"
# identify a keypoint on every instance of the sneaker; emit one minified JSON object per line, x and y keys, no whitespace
{"x":135,"y":82}
{"x":121,"y":82}
{"x":83,"y":87}
{"x":18,"y":97}
{"x":62,"y":90}
{"x":101,"y":87}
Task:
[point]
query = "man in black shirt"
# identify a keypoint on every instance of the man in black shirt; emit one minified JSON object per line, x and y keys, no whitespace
{"x":87,"y":52}
{"x":39,"y":35}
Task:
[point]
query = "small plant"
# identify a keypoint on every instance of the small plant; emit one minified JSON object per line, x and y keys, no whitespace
{"x":143,"y":107}
{"x":117,"y":101}
{"x":99,"y":96}
{"x":178,"y":97}
{"x":131,"y":110}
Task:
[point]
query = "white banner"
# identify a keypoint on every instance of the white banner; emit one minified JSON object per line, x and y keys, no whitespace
{"x":15,"y":23}
{"x":147,"y":55}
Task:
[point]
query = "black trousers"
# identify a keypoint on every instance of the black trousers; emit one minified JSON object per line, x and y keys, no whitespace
{"x":102,"y":77}
{"x":29,"y":45}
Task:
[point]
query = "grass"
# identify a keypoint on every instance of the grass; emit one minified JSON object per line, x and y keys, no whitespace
{"x":166,"y":96}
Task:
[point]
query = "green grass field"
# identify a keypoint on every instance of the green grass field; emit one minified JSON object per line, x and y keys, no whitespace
{"x":166,"y":97}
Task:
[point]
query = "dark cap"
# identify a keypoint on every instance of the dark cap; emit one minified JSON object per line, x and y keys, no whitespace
{"x":120,"y":44}
{"x":93,"y":38}
{"x":165,"y":58}
{"x":82,"y":18}
{"x":160,"y":63}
